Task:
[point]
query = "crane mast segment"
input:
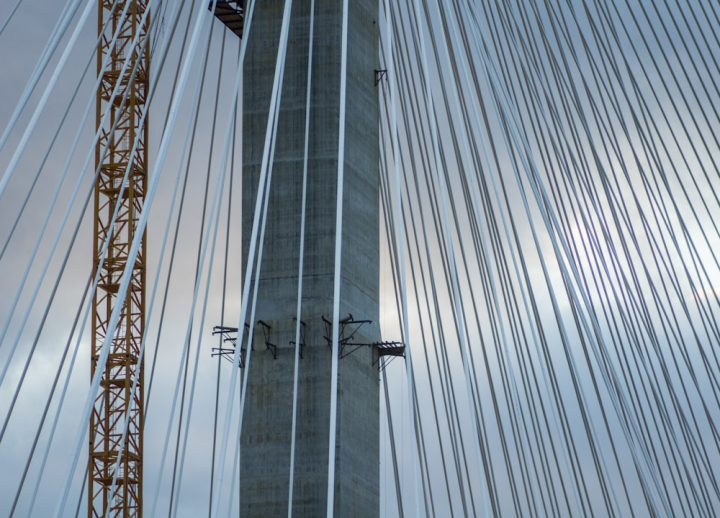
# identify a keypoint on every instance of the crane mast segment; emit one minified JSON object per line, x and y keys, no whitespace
{"x":115,"y":402}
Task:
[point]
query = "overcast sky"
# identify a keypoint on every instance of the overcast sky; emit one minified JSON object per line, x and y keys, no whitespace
{"x":676,"y":74}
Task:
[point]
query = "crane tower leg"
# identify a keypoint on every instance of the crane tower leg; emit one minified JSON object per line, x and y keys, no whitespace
{"x":115,"y":402}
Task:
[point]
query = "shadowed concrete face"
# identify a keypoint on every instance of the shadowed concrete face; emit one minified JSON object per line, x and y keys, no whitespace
{"x":266,"y":435}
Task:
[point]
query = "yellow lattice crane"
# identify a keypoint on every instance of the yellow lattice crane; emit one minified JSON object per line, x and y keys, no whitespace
{"x":114,"y":399}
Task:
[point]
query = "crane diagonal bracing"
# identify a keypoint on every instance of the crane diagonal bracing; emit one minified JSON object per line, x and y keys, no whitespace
{"x":127,"y":75}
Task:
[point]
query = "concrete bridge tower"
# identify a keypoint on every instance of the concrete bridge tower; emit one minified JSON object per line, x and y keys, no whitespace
{"x":268,"y":411}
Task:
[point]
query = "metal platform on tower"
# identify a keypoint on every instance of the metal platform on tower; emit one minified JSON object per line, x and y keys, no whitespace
{"x":231,"y":14}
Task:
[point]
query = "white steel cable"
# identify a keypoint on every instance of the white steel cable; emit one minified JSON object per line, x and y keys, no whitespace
{"x":389,"y":223}
{"x":448,"y":407}
{"x":218,"y":196}
{"x":227,"y":245}
{"x":34,"y":182}
{"x":391,"y":440}
{"x":196,"y":100}
{"x":400,"y":238}
{"x":53,"y":429}
{"x":551,"y":224}
{"x":238,"y":81}
{"x":43,"y":101}
{"x":253,"y":304}
{"x":64,"y":262}
{"x":497,"y":273}
{"x":562,"y":131}
{"x":258,"y":264}
{"x":218,"y":192}
{"x":116,"y":468}
{"x":35,"y":342}
{"x":338,"y":267}
{"x":263,"y":179}
{"x":503,"y":105}
{"x":45,"y":413}
{"x":256,"y":287}
{"x":191,"y":313}
{"x":81,"y":76}
{"x":127,"y":273}
{"x":450,"y":395}
{"x":63,"y":20}
{"x":194,"y":110}
{"x":222,"y":319}
{"x":10,"y":16}
{"x":236,"y":469}
{"x":455,"y":88}
{"x":298,"y":311}
{"x":83,"y":487}
{"x":535,"y":339}
{"x":65,"y":387}
{"x":451,"y":259}
{"x":533,"y":330}
{"x":50,"y":47}
{"x":80,"y":333}
{"x":89,"y":156}
{"x":202,"y":219}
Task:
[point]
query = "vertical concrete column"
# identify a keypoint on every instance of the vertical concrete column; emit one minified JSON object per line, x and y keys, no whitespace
{"x":268,"y":415}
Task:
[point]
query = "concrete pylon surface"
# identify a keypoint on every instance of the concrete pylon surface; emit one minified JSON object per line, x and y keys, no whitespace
{"x":268,"y":413}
